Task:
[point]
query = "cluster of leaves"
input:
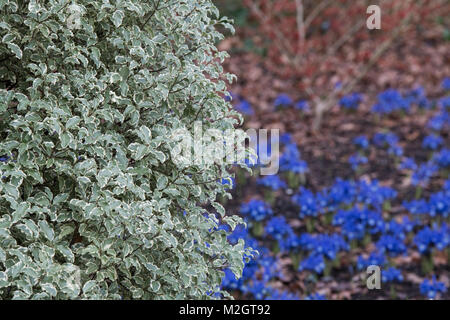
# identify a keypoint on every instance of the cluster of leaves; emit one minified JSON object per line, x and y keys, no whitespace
{"x":92,"y":205}
{"x":333,"y":225}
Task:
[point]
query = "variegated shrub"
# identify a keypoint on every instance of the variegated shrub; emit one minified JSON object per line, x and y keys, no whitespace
{"x":92,"y":206}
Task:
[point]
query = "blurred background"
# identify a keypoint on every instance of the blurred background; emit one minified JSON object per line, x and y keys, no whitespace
{"x":364,"y":123}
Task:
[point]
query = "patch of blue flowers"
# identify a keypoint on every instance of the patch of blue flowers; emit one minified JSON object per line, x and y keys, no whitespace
{"x":351,"y":101}
{"x":355,"y":222}
{"x":390,"y":101}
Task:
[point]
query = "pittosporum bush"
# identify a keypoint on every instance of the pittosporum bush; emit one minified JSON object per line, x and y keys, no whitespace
{"x":92,"y":203}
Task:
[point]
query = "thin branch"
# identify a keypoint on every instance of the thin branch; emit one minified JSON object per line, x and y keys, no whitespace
{"x":300,"y":28}
{"x":324,"y":105}
{"x":317,"y":10}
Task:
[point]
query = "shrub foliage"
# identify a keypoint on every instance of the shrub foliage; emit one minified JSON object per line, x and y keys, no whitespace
{"x":92,"y":205}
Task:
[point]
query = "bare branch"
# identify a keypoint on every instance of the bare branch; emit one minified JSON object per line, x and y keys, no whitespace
{"x":300,"y":29}
{"x":316,"y":11}
{"x":326,"y":104}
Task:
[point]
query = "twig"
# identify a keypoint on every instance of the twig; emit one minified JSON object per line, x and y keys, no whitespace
{"x":300,"y":29}
{"x":324,"y":105}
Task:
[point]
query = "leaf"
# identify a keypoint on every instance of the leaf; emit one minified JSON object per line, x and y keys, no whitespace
{"x":50,"y":289}
{"x":117,"y":18}
{"x":88,"y":286}
{"x":46,"y":230}
{"x":155,"y":285}
{"x":8,"y":38}
{"x":72,"y":122}
{"x":65,"y":139}
{"x":15,"y":49}
{"x":3,"y":279}
{"x":20,"y":211}
{"x":67,"y":253}
{"x":145,"y":134}
{"x":162,"y":182}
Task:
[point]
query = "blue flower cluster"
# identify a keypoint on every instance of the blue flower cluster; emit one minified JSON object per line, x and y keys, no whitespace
{"x":432,"y":287}
{"x":361,"y":141}
{"x":356,"y":160}
{"x":309,"y":203}
{"x":356,"y":222}
{"x":374,"y":259}
{"x":273,"y":182}
{"x":283,"y":100}
{"x":418,"y":97}
{"x":446,"y":83}
{"x":392,"y":275}
{"x":322,"y":244}
{"x":432,"y":142}
{"x":390,"y":101}
{"x":429,"y":238}
{"x":351,"y":101}
{"x":291,"y":160}
{"x":256,"y":210}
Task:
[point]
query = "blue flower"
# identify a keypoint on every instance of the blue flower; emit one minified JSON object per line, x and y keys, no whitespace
{"x":390,"y":101}
{"x":361,"y":141}
{"x":429,"y":238}
{"x":323,"y":244}
{"x":290,"y":242}
{"x":418,"y":97}
{"x":446,"y":83}
{"x":431,"y":288}
{"x":290,"y":160}
{"x":269,"y":268}
{"x":443,"y":158}
{"x":395,"y":150}
{"x":439,"y":204}
{"x":424,"y":172}
{"x":241,"y":232}
{"x":439,"y":121}
{"x":244,"y":107}
{"x":256,"y":210}
{"x":231,"y":96}
{"x":306,"y":200}
{"x":285,"y":295}
{"x":302,"y":105}
{"x":408,"y":164}
{"x":314,"y":262}
{"x":341,"y":192}
{"x":392,"y":275}
{"x":316,"y":296}
{"x":228,"y":183}
{"x":397,"y":229}
{"x":374,"y":259}
{"x":356,"y":160}
{"x":278,"y":228}
{"x":447,"y":187}
{"x":393,"y":245}
{"x":416,"y":206}
{"x":355,"y":223}
{"x":432,"y":142}
{"x":230,"y":282}
{"x":286,"y":138}
{"x":444,"y":103}
{"x":274,"y":182}
{"x":258,"y":289}
{"x":373,"y":194}
{"x":351,"y":101}
{"x":283,"y":100}
{"x":382,"y":139}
